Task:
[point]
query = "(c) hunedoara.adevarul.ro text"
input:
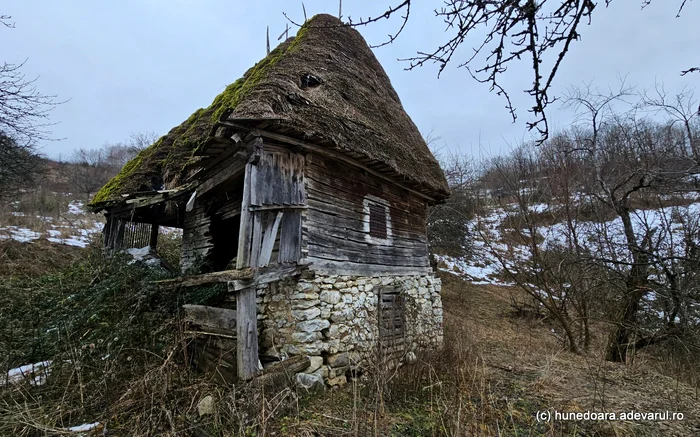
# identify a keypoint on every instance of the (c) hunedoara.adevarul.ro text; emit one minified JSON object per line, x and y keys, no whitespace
{"x":655,"y":416}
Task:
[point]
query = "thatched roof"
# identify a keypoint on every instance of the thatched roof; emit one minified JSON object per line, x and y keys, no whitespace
{"x":354,"y":109}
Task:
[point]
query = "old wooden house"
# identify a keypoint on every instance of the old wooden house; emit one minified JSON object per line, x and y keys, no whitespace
{"x":304,"y":186}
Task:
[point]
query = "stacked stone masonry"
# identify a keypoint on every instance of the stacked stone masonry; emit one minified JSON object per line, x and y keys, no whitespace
{"x":334,"y":319}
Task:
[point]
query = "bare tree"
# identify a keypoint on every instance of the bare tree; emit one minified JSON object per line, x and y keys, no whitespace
{"x":18,"y":165}
{"x":88,"y":171}
{"x":501,"y":33}
{"x":448,"y":230}
{"x":118,"y":154}
{"x":24,"y":115}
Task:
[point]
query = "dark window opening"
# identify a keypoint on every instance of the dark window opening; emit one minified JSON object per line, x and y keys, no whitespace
{"x":224,"y":234}
{"x":377,"y":221}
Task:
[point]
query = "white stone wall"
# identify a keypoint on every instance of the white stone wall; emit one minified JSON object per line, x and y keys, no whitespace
{"x":333,"y":319}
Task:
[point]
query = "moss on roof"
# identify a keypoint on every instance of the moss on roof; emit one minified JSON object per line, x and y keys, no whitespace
{"x":355,"y":108}
{"x":166,"y":162}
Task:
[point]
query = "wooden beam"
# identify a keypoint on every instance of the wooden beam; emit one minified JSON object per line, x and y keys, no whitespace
{"x":246,"y":310}
{"x":247,"y":334}
{"x":257,"y":240}
{"x":230,"y":172}
{"x":281,"y":374}
{"x":327,"y":152}
{"x":222,"y":277}
{"x":244,"y":233}
{"x":269,"y":239}
{"x":348,"y":268}
{"x":217,"y":320}
{"x":266,"y":275}
{"x":277,"y":207}
{"x":153,"y":241}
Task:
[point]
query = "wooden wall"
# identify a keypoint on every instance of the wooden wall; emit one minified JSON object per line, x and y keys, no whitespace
{"x":334,"y":226}
{"x":197,"y":241}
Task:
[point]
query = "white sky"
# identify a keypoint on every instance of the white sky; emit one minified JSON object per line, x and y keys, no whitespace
{"x":146,"y":65}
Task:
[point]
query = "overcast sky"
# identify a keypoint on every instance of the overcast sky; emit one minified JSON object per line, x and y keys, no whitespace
{"x":146,"y":65}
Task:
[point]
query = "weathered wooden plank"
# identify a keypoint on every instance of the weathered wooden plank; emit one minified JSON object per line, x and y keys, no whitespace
{"x":246,"y":311}
{"x":344,"y":254}
{"x":401,"y":210}
{"x":268,"y":274}
{"x":208,"y":278}
{"x":281,"y":374}
{"x":290,"y":238}
{"x":327,"y":266}
{"x":343,"y":233}
{"x":318,"y":239}
{"x":269,"y":238}
{"x":233,"y":170}
{"x":253,"y":179}
{"x":257,"y":240}
{"x":280,"y":179}
{"x":247,"y":333}
{"x":244,"y":233}
{"x":211,"y":317}
{"x":332,"y":216}
{"x":277,"y":207}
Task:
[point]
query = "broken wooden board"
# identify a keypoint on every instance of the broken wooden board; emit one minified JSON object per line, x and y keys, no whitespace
{"x":206,"y":319}
{"x":281,"y":374}
{"x":266,"y":275}
{"x":223,"y":276}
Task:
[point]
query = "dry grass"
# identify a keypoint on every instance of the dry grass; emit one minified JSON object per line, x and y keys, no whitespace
{"x":493,"y":375}
{"x":18,"y":260}
{"x":495,"y":372}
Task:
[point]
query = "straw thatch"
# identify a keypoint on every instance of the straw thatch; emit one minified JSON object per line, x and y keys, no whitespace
{"x":348,"y":104}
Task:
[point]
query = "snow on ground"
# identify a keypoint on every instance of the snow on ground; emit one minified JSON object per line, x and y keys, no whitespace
{"x":35,"y":373}
{"x":491,"y":252}
{"x":73,"y":228}
{"x":78,"y":233}
{"x":76,"y":207}
{"x":84,"y":427}
{"x":23,"y":235}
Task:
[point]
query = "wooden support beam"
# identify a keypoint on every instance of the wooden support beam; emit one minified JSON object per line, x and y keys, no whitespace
{"x":257,"y":239}
{"x":269,"y":239}
{"x":206,"y":319}
{"x":277,"y":207}
{"x":247,"y":334}
{"x":208,"y":278}
{"x":266,"y":275}
{"x":244,"y":233}
{"x":246,"y":310}
{"x":153,"y":241}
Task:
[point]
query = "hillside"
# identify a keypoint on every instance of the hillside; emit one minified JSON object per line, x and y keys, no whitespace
{"x":101,"y":348}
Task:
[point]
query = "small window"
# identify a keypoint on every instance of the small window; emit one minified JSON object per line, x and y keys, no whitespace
{"x":377,"y":220}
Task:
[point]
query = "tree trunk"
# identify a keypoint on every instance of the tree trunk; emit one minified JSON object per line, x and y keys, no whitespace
{"x":636,"y":288}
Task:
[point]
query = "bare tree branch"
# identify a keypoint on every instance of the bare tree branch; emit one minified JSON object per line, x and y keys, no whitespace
{"x":505,"y":32}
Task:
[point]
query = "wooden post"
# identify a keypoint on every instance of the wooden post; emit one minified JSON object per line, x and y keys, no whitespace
{"x":108,"y":232}
{"x":119,"y":236}
{"x":246,"y":311}
{"x":154,"y":236}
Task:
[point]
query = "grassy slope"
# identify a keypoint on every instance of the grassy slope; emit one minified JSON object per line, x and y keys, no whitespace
{"x":126,"y":368}
{"x":495,"y":373}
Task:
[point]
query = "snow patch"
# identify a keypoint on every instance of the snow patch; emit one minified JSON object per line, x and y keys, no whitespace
{"x":84,"y":427}
{"x":35,"y":373}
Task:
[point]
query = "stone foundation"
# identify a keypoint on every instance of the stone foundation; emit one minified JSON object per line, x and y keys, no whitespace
{"x":334,"y":319}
